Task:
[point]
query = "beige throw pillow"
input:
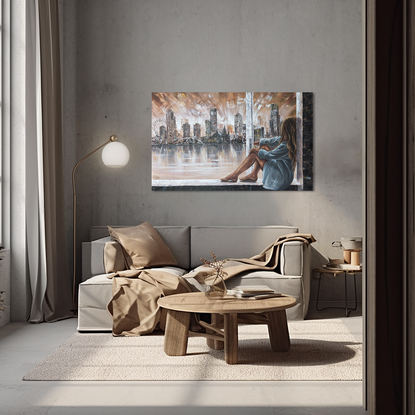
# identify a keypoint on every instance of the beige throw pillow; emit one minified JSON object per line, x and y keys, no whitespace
{"x":142,"y":246}
{"x":114,"y":259}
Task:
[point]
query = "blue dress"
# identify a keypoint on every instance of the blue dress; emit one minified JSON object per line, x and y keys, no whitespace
{"x":278,"y":173}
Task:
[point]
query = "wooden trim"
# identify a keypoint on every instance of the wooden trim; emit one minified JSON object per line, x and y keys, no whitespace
{"x":389,"y":208}
{"x":409,"y":364}
{"x":369,"y":252}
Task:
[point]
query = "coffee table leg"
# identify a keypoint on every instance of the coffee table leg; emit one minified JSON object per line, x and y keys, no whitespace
{"x":231,"y":338}
{"x":176,"y":334}
{"x":214,"y":344}
{"x":278,"y":331}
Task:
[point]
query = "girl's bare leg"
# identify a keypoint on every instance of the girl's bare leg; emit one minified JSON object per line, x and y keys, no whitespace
{"x":245,"y":165}
{"x":259,"y":164}
{"x":253,"y":176}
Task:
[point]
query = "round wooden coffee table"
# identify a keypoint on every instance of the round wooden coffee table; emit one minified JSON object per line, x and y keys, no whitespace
{"x":270,"y":311}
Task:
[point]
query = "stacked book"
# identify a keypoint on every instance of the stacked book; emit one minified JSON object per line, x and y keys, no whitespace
{"x":253,"y":292}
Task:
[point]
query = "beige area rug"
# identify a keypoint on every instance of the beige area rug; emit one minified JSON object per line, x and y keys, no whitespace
{"x":320,"y":350}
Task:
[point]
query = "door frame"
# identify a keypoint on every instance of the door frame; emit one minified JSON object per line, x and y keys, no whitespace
{"x":389,"y":384}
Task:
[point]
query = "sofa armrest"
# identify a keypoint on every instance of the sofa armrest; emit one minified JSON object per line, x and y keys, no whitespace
{"x":295,"y":258}
{"x":93,"y":257}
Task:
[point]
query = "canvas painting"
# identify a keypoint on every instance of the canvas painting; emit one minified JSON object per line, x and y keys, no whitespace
{"x":232,"y":141}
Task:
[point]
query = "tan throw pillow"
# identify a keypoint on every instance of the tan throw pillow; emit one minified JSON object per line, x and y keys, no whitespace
{"x":114,"y":259}
{"x":142,"y":246}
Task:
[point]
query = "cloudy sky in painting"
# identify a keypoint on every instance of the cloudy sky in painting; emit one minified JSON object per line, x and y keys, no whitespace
{"x":285,"y":100}
{"x":195,"y":106}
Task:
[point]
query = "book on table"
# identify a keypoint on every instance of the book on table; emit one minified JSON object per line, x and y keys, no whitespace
{"x":254,"y":292}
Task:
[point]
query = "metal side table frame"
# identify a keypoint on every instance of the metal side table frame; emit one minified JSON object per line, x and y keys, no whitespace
{"x":335,"y":272}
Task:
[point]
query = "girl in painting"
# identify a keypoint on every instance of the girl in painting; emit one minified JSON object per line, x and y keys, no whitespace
{"x":276,"y":157}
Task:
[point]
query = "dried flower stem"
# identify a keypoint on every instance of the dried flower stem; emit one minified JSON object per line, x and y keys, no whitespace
{"x":218,"y":266}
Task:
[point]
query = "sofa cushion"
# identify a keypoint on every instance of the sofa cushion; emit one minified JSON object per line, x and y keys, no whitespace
{"x":113,"y":257}
{"x":177,"y":238}
{"x":233,"y":241}
{"x":142,"y":246}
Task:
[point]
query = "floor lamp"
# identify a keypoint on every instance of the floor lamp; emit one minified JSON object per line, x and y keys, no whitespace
{"x":114,"y":154}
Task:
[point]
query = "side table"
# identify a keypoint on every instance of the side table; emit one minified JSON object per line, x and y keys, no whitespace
{"x":334,"y":272}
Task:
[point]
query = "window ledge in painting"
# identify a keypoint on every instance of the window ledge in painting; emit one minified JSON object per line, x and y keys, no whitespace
{"x":211,"y":184}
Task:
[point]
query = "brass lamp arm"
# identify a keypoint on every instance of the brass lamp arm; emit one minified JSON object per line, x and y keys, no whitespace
{"x":112,"y":138}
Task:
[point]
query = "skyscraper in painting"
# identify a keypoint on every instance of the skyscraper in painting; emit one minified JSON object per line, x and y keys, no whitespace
{"x":207,"y":128}
{"x":196,"y":130}
{"x":238,"y":125}
{"x":213,"y":120}
{"x":170,"y":125}
{"x":186,"y":130}
{"x":162,"y":133}
{"x":275,"y":122}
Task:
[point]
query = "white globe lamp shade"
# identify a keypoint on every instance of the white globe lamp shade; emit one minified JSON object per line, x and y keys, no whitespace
{"x":115,"y":154}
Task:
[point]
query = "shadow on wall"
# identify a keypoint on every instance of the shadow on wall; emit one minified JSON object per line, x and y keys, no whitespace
{"x":332,"y":287}
{"x":317,"y":258}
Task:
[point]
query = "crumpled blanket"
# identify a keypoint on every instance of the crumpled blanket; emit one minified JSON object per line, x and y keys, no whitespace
{"x":135,"y":293}
{"x":267,"y":260}
{"x":134,"y":307}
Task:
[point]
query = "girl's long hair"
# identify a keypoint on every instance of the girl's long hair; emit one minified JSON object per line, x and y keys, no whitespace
{"x":288,"y":134}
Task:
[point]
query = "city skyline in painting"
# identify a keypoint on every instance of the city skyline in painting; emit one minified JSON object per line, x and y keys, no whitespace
{"x":227,"y":108}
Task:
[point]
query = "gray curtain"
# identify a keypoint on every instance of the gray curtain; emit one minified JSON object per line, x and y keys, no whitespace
{"x":53,"y":296}
{"x":35,"y":213}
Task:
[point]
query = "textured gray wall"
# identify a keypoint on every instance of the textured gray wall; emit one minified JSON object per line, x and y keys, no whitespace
{"x":116,"y":53}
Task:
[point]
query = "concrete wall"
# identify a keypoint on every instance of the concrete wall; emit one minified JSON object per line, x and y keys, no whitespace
{"x":116,"y":53}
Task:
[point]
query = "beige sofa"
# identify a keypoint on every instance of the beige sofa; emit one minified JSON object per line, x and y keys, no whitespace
{"x":188,"y":244}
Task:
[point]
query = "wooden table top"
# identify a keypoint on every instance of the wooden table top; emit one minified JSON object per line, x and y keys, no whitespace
{"x":200,"y":303}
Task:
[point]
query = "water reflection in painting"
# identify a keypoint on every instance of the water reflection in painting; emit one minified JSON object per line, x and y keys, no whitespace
{"x":195,"y":161}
